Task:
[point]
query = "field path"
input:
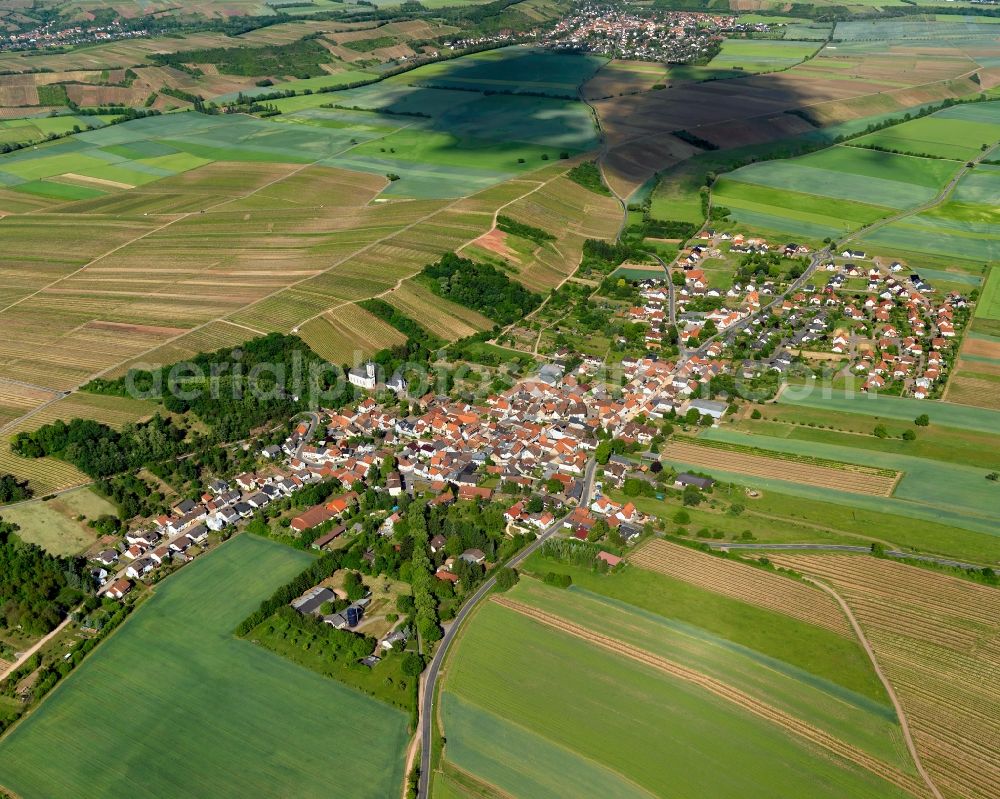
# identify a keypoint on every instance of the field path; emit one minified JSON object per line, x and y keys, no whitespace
{"x":35,"y":647}
{"x":722,"y":690}
{"x":900,"y":714}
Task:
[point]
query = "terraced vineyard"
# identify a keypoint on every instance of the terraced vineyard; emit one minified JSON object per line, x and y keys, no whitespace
{"x":935,"y":637}
{"x":729,"y":456}
{"x":743,"y":582}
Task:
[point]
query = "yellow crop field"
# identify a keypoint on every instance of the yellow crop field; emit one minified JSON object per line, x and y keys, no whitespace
{"x":743,"y":582}
{"x":935,"y":636}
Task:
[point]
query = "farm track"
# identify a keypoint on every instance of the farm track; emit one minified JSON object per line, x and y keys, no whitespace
{"x":723,"y":691}
{"x":855,"y":479}
{"x":743,"y":582}
{"x":935,"y":638}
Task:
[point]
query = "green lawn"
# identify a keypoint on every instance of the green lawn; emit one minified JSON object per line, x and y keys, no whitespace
{"x":540,"y":712}
{"x":173,"y":705}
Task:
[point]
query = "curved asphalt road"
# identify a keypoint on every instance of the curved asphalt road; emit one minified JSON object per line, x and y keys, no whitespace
{"x":433,"y":671}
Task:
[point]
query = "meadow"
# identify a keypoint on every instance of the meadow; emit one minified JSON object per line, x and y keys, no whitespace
{"x":243,"y":697}
{"x":654,"y":727}
{"x":60,"y":524}
{"x":935,"y":636}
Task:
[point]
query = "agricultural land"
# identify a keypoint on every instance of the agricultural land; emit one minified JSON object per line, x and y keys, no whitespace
{"x":500,"y":399}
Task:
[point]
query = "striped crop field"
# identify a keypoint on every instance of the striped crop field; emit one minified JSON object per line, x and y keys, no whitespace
{"x":743,"y":582}
{"x":662,"y":725}
{"x":718,"y":688}
{"x":343,"y":334}
{"x":756,"y":462}
{"x":935,"y":637}
{"x":443,"y":318}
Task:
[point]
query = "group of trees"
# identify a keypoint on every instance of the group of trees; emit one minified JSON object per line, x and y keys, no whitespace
{"x":36,"y":589}
{"x":12,"y":489}
{"x":98,"y":450}
{"x":421,"y":575}
{"x":515,"y":228}
{"x":482,"y":287}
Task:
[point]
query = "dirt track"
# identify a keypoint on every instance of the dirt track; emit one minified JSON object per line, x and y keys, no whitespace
{"x":720,"y":689}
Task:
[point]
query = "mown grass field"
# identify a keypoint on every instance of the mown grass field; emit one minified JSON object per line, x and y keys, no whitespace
{"x":56,"y":525}
{"x":654,"y":734}
{"x":240,"y":719}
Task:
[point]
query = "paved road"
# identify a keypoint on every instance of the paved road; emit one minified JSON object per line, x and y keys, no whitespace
{"x":892,"y":553}
{"x":671,"y":292}
{"x":314,"y":419}
{"x":433,"y":671}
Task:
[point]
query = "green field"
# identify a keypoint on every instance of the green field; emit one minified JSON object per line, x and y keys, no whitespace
{"x":959,"y":231}
{"x":793,"y":212}
{"x":53,"y":525}
{"x":173,"y":705}
{"x":902,"y":408}
{"x":807,"y":647}
{"x":958,"y":133}
{"x":442,"y":142}
{"x":511,"y":69}
{"x":761,"y":55}
{"x":657,"y":735}
{"x":869,"y":724}
{"x":948,"y":487}
{"x":855,"y":175}
{"x":988,"y":306}
{"x":941,"y":531}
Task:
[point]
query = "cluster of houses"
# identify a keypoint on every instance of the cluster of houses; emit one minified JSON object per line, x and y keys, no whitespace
{"x":892,"y":328}
{"x":668,"y":36}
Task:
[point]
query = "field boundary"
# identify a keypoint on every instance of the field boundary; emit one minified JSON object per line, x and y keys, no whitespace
{"x":900,"y":713}
{"x":723,"y":691}
{"x":773,"y":464}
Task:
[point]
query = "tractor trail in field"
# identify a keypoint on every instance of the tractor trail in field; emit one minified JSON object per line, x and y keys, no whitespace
{"x":723,"y":691}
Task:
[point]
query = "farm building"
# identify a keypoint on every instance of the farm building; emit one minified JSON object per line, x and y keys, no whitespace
{"x":684,"y":480}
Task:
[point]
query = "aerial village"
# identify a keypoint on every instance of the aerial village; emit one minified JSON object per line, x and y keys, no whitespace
{"x":528,"y":447}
